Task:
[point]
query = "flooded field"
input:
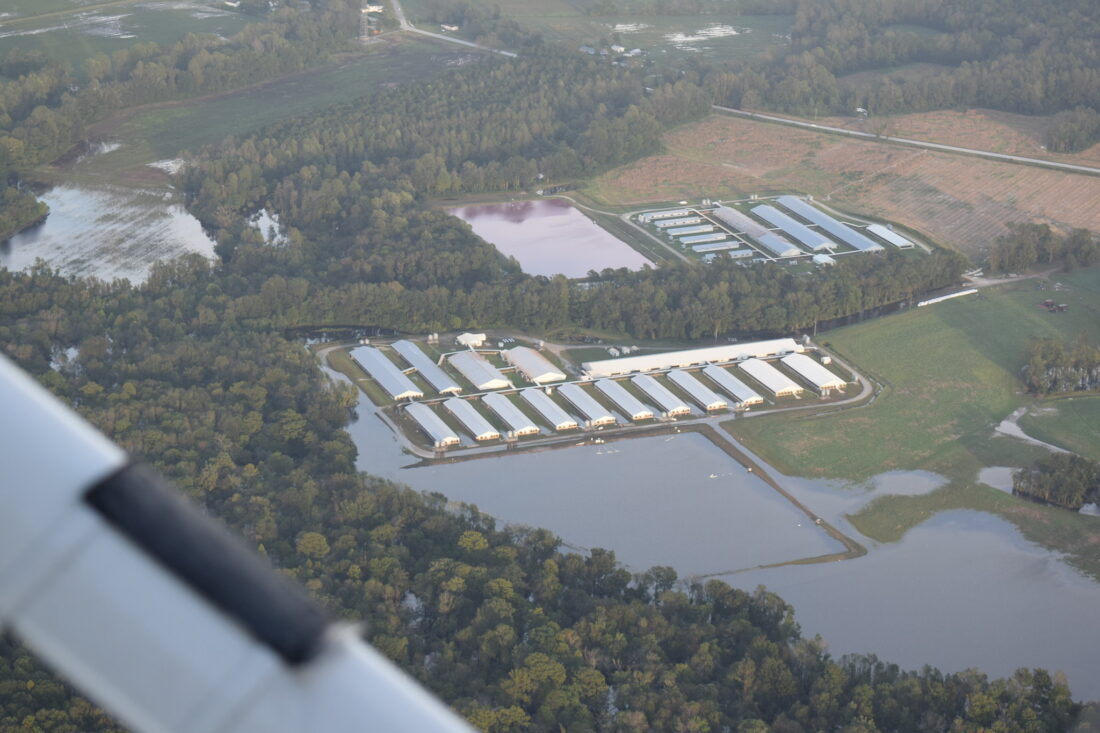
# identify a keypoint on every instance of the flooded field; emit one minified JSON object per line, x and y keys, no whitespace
{"x":107,"y":232}
{"x":549,"y":237}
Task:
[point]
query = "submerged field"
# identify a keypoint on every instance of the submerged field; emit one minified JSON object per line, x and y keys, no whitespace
{"x":954,"y":200}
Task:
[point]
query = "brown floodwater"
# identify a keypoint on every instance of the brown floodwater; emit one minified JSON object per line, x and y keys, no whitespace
{"x":549,"y":237}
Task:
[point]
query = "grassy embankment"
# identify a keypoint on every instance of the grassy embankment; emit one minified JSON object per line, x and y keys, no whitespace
{"x":950,"y":377}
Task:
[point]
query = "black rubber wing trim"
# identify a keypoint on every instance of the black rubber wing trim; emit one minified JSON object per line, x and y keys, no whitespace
{"x":141,"y":504}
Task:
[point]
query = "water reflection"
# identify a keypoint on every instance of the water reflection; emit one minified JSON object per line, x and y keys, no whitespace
{"x":549,"y":237}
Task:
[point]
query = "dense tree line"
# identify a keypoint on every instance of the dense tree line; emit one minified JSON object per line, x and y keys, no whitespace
{"x":508,"y":628}
{"x":1063,"y":479}
{"x":1028,"y":244}
{"x":1054,"y":367}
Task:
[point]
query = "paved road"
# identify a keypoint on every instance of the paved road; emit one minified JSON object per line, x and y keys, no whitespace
{"x":403,"y":21}
{"x":1003,"y":157}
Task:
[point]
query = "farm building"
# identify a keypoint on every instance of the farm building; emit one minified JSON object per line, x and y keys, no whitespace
{"x":734,"y":387}
{"x":701,"y":238}
{"x":774,"y":380}
{"x":481,"y":373}
{"x":686,"y":231}
{"x":669,"y":402}
{"x":838,"y":229}
{"x":518,"y":423}
{"x":824,"y":260}
{"x":626,"y":402}
{"x":815,"y":241}
{"x":707,"y":399}
{"x":470,"y":340}
{"x":593,"y":411}
{"x":682,"y":221}
{"x":890,"y":236}
{"x":386,"y":373}
{"x":689,"y":357}
{"x":536,"y":367}
{"x":714,"y":247}
{"x":441,"y":435}
{"x":549,"y":409}
{"x":478,"y":426}
{"x":739,"y":222}
{"x":427,"y":368}
{"x":668,"y":214}
{"x":813,"y":373}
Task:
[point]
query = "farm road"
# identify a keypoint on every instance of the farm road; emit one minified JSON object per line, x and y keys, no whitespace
{"x":403,"y":21}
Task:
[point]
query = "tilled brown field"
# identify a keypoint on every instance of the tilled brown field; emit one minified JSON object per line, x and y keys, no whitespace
{"x":955,"y":200}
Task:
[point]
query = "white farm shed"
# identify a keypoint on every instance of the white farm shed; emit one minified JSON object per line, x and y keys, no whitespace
{"x":813,"y":373}
{"x":559,"y":418}
{"x":682,"y":221}
{"x":470,"y":340}
{"x":518,"y":423}
{"x":774,"y":380}
{"x":669,"y":402}
{"x":666,"y":214}
{"x":427,"y":368}
{"x":536,"y":367}
{"x":481,"y":373}
{"x":706,"y":398}
{"x":838,"y":229}
{"x":890,"y":236}
{"x":687,"y":231}
{"x":813,"y":240}
{"x":739,"y":222}
{"x":690,"y":357}
{"x":478,"y":426}
{"x":734,"y":387}
{"x":386,"y":373}
{"x":593,"y":411}
{"x":626,"y":402}
{"x":441,"y":435}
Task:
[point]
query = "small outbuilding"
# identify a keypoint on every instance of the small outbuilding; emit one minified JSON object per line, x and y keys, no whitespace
{"x":470,"y":340}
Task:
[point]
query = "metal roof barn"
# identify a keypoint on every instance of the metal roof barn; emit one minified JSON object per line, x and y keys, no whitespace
{"x":386,"y":373}
{"x":627,"y":402}
{"x":712,"y":237}
{"x":559,"y":418}
{"x":427,"y":368}
{"x":478,"y":426}
{"x":824,"y":260}
{"x":441,"y":435}
{"x":734,"y":387}
{"x":689,"y":357}
{"x":774,"y":243}
{"x":814,"y":240}
{"x":536,"y":367}
{"x":697,"y":229}
{"x":813,"y":372}
{"x":678,"y":222}
{"x":707,"y":399}
{"x":838,"y":229}
{"x":669,"y":402}
{"x":774,"y":380}
{"x":653,"y":215}
{"x":518,"y":423}
{"x":593,"y":411}
{"x":481,"y":373}
{"x":890,"y":236}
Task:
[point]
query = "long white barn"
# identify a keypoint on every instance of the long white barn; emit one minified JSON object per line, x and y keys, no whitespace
{"x":734,"y":387}
{"x":517,"y":422}
{"x":669,"y":402}
{"x":481,"y":373}
{"x":689,"y":357}
{"x":702,"y":394}
{"x":441,"y":435}
{"x":814,"y":240}
{"x":478,"y":426}
{"x":838,"y":229}
{"x":774,"y":380}
{"x":559,"y":418}
{"x":427,"y":368}
{"x":592,"y":410}
{"x":626,"y":402}
{"x":772,"y":242}
{"x":814,"y":373}
{"x":890,"y":236}
{"x":386,"y":373}
{"x":536,"y":367}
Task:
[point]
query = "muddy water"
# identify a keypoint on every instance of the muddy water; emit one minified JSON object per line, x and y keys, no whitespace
{"x":107,"y":232}
{"x":549,"y":237}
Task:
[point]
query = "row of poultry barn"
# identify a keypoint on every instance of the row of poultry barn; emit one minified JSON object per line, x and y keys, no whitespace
{"x":636,"y":388}
{"x":799,"y":229}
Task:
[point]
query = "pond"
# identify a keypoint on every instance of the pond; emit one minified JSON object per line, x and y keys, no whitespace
{"x":549,"y":237}
{"x":107,"y":232}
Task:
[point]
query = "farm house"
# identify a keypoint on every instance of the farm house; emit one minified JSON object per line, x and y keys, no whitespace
{"x":434,"y":427}
{"x":773,"y":380}
{"x":385,"y":373}
{"x":426,"y":368}
{"x":625,"y":401}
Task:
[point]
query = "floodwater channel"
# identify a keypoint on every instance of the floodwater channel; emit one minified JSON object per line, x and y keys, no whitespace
{"x":549,"y":237}
{"x":964,"y":589}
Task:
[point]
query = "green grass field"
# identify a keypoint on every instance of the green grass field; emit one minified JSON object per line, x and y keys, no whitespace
{"x":1073,"y":424}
